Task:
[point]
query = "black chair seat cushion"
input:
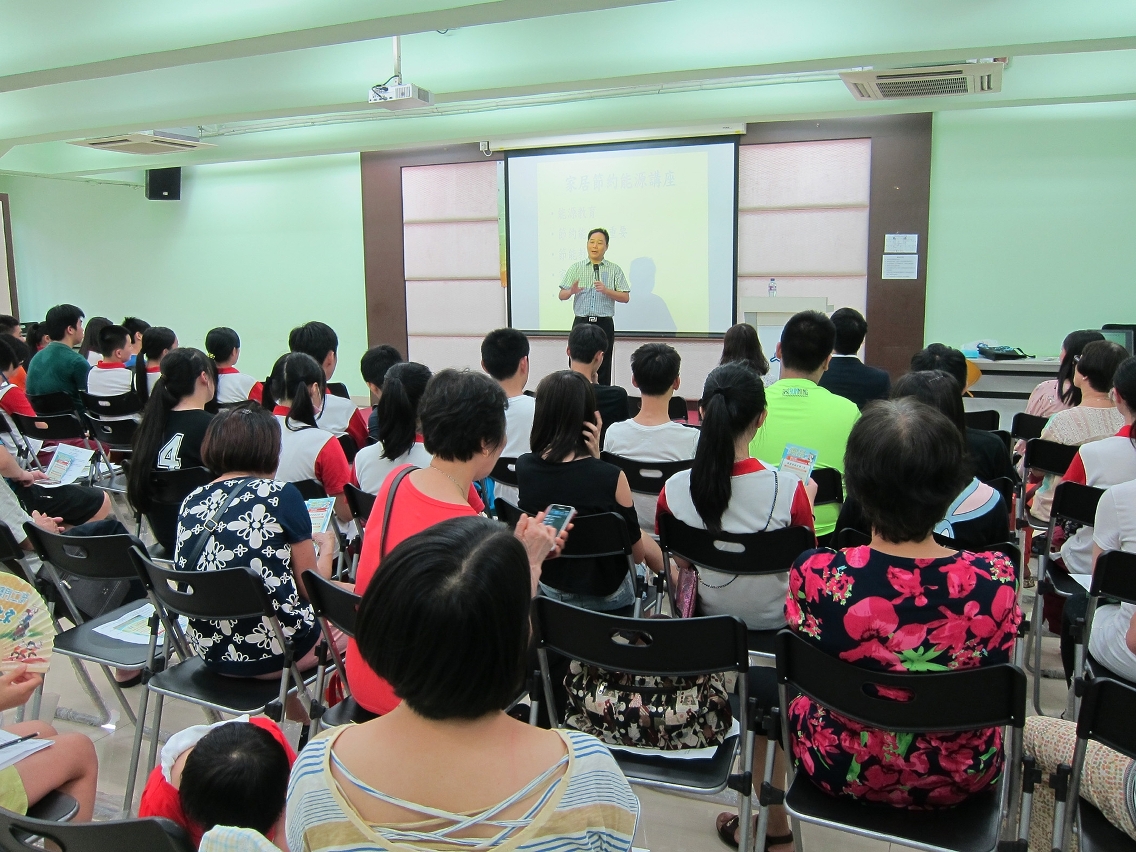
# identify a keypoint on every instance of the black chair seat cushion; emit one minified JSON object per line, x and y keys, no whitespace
{"x":763,"y":641}
{"x":346,"y":712}
{"x":706,"y":775}
{"x":192,"y":681}
{"x":84,"y":643}
{"x":54,"y":807}
{"x":1100,"y":835}
{"x":970,"y":827}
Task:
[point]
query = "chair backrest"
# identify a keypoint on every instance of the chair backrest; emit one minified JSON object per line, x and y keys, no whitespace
{"x":647,"y":477}
{"x":1076,"y":502}
{"x":310,"y":489}
{"x":1005,"y":437}
{"x":350,"y":448}
{"x":52,"y":403}
{"x":671,"y":647}
{"x":111,"y":406}
{"x":596,"y":558}
{"x":1049,"y":456}
{"x":222,"y":595}
{"x":10,"y":551}
{"x":170,"y":487}
{"x":849,"y":537}
{"x":51,"y":427}
{"x":987,"y":421}
{"x":136,"y":835}
{"x":116,"y":434}
{"x":772,"y":552}
{"x":332,"y":602}
{"x":1027,"y":426}
{"x":338,"y":389}
{"x":1004,"y":486}
{"x":962,"y":700}
{"x":98,"y":557}
{"x":360,"y":502}
{"x":830,"y":486}
{"x":505,"y":471}
{"x":1114,"y":576}
{"x":677,"y":408}
{"x":1107,"y":711}
{"x":1008,"y":549}
{"x":506,"y":512}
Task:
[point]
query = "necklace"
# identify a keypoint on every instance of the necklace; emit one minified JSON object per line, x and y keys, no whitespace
{"x":457,"y":484}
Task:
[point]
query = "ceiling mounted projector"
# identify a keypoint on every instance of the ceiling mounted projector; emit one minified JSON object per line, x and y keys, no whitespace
{"x":400,"y":96}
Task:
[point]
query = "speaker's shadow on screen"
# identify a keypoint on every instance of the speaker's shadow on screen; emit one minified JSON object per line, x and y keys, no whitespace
{"x":645,"y":311}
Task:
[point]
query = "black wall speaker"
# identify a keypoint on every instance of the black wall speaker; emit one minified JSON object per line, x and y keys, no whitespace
{"x":163,"y":184}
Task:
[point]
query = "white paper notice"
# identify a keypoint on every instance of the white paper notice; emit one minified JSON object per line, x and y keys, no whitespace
{"x":901,"y":243}
{"x":901,"y":266}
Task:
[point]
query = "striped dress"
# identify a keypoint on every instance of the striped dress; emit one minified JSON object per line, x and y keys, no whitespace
{"x":591,"y":808}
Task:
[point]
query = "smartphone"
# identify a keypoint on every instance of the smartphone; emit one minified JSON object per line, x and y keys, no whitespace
{"x":559,"y":517}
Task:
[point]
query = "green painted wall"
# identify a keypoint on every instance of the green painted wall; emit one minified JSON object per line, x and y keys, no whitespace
{"x":259,"y":246}
{"x":1033,"y":211}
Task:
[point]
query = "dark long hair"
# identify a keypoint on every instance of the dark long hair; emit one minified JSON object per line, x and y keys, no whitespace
{"x":1124,"y":383}
{"x":155,"y":340}
{"x":221,"y":342}
{"x":564,"y":402}
{"x":398,"y":407}
{"x":178,"y":379}
{"x":1074,"y":344}
{"x":732,"y":398}
{"x":298,"y":372}
{"x":741,"y":344}
{"x":939,"y":389}
{"x":91,"y":335}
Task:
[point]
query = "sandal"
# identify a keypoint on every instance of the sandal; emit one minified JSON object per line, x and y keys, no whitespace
{"x":728,"y":828}
{"x":777,"y":840}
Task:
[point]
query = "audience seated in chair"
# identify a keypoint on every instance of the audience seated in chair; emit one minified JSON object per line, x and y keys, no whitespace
{"x":446,"y":623}
{"x":741,"y":344}
{"x":137,"y":329}
{"x":802,"y":413}
{"x":58,"y":368}
{"x":988,"y":455}
{"x":505,"y":356}
{"x":462,"y":415}
{"x":171,"y":434}
{"x":399,"y":441}
{"x":651,"y":435}
{"x":1112,"y":640}
{"x":847,"y":375}
{"x":306,"y":451}
{"x":373,"y":366}
{"x":260,"y":522}
{"x":109,"y":376}
{"x":564,"y":467}
{"x":157,"y":342}
{"x":11,"y":334}
{"x":1095,"y":417}
{"x":232,"y":773}
{"x":586,"y":346}
{"x":13,"y":399}
{"x":1058,"y":394}
{"x":904,"y":603}
{"x":224,"y":347}
{"x":978,"y":517}
{"x":338,"y":415}
{"x":72,"y":504}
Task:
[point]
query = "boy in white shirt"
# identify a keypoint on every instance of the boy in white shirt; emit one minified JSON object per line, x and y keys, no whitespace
{"x":651,"y":436}
{"x":338,"y":416}
{"x":505,"y":357}
{"x":110,"y":377}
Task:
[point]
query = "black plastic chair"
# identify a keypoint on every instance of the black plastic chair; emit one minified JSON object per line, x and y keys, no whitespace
{"x":507,"y":513}
{"x":53,"y":427}
{"x":52,"y":403}
{"x":987,"y":420}
{"x":338,"y":389}
{"x":670,"y":648}
{"x":677,"y":409}
{"x":56,"y":806}
{"x":310,"y":489}
{"x":751,"y":554}
{"x":505,"y":471}
{"x":339,"y":608}
{"x":360,"y":502}
{"x":1005,"y":437}
{"x":647,"y":477}
{"x":1106,"y":716}
{"x":227,"y":594}
{"x":23,"y":450}
{"x":850,"y":537}
{"x":122,"y":405}
{"x":1071,"y":502}
{"x":111,"y":436}
{"x":830,"y":486}
{"x":135,"y":835}
{"x":170,"y":487}
{"x":100,"y":558}
{"x":350,"y":448}
{"x":1043,"y":457}
{"x":595,"y":559}
{"x":1114,"y":579}
{"x":1006,"y":487}
{"x":1026,"y":427}
{"x":963,"y":700}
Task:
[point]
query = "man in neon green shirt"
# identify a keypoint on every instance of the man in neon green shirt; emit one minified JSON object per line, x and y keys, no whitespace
{"x":800,"y":411}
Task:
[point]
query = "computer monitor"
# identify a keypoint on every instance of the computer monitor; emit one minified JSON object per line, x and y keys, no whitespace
{"x":1120,"y":334}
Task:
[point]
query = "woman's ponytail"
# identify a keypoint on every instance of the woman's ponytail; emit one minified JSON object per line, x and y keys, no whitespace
{"x":403,"y":387}
{"x":298,"y":373}
{"x":732,"y":399}
{"x":155,"y":340}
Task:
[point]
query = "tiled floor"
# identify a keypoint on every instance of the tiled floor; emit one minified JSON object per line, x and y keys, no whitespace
{"x":669,"y":823}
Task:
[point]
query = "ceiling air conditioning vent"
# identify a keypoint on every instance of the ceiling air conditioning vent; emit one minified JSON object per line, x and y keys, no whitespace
{"x":146,"y":142}
{"x":967,"y":78}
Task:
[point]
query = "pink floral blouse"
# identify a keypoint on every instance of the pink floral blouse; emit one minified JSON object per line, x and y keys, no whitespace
{"x":889,"y":613}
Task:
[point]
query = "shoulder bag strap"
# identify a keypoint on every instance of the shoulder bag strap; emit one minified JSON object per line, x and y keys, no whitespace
{"x":401,"y":475}
{"x":211,"y":524}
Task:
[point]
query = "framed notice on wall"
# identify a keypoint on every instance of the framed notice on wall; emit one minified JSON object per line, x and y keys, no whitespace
{"x":7,"y":261}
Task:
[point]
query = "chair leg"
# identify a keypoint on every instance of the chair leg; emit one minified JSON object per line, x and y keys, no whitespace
{"x":135,"y":752}
{"x":766,"y":778}
{"x":1036,"y":625}
{"x":155,"y":732}
{"x":127,"y":710}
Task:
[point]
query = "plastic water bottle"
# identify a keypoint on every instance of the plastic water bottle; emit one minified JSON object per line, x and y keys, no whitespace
{"x":772,"y":287}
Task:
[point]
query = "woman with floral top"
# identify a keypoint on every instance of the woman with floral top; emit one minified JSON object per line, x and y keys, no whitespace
{"x":266,"y":527}
{"x":903,"y":604}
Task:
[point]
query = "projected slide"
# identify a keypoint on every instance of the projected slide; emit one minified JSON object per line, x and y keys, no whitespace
{"x":670,"y":212}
